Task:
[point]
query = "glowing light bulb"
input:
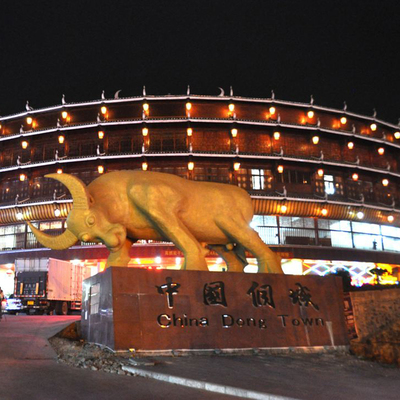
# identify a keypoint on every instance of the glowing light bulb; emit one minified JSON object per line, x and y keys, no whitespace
{"x":283,"y":208}
{"x":103,"y":110}
{"x":354,"y":177}
{"x":315,"y":139}
{"x":188,"y":106}
{"x":373,"y":127}
{"x":61,"y":139}
{"x":64,"y":115}
{"x":280,"y":168}
{"x":324,"y":212}
{"x":57,"y":212}
{"x":385,"y":182}
{"x":100,"y":169}
{"x":350,"y":145}
{"x":231,"y":107}
{"x":145,"y":131}
{"x":234,"y":132}
{"x":189,"y":131}
{"x":24,"y":144}
{"x":310,"y":114}
{"x":29,"y":120}
{"x":277,"y":135}
{"x":59,"y":171}
{"x":272,"y":110}
{"x":190,"y":165}
{"x":22,"y":177}
{"x":397,"y":135}
{"x":100,"y":134}
{"x":390,"y":218}
{"x":343,"y":120}
{"x":360,"y":215}
{"x":145,"y":166}
{"x":19,"y":215}
{"x":146,"y":107}
{"x":381,"y":151}
{"x":320,"y":172}
{"x":236,"y":166}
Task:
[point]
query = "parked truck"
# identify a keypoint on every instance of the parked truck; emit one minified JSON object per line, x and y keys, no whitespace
{"x":47,"y":285}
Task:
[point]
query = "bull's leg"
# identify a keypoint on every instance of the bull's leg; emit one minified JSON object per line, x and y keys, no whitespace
{"x":173,"y":229}
{"x":121,"y":257}
{"x":233,"y":262}
{"x":239,"y":231}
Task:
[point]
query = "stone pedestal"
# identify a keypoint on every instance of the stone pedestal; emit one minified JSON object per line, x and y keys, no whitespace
{"x":130,"y":308}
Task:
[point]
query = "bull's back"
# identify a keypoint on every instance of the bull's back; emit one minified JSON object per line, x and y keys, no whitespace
{"x":198,"y":199}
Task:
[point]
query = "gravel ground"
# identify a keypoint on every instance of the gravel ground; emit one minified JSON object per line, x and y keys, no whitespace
{"x":74,"y":351}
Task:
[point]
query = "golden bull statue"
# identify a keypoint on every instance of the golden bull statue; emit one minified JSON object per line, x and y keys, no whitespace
{"x":122,"y":207}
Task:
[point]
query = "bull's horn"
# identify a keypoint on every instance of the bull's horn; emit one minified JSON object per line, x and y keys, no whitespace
{"x":76,"y":187}
{"x":60,"y":242}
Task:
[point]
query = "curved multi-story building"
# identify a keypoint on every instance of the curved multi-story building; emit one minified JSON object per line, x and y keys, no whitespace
{"x":325,"y":182}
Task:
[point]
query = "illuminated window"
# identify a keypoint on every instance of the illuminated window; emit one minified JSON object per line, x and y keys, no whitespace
{"x":257,"y":179}
{"x":328,"y":184}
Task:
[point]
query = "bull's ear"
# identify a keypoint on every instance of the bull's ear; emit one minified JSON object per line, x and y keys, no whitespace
{"x":90,"y":220}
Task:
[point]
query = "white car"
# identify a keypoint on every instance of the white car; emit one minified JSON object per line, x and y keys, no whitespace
{"x":13,"y":305}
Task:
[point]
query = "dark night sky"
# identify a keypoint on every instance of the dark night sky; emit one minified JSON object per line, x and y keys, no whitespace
{"x":336,"y":50}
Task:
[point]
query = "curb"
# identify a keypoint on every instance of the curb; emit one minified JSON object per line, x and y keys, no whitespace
{"x":210,"y":387}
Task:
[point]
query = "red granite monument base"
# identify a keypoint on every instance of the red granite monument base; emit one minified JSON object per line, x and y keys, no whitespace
{"x":130,"y":308}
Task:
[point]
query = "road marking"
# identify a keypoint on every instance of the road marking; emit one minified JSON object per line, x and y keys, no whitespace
{"x":211,"y":387}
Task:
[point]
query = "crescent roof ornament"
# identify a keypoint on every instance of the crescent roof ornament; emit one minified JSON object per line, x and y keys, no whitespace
{"x":222,"y":93}
{"x":116,"y":95}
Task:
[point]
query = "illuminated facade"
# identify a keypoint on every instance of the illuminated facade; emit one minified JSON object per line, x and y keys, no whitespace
{"x":324,"y":182}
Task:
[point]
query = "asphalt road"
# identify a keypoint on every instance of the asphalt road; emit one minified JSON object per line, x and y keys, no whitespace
{"x":29,"y":369}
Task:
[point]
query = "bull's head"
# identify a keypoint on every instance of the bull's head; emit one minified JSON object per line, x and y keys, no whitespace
{"x":85,"y":222}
